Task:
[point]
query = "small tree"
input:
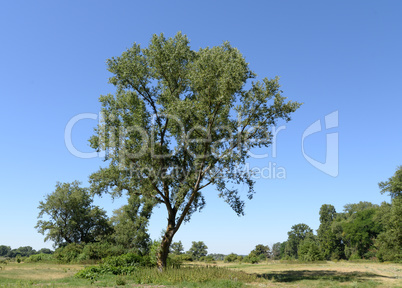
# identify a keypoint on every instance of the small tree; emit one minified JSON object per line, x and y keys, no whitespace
{"x":198,"y":250}
{"x":276,"y":251}
{"x":71,"y":216}
{"x":177,"y":248}
{"x":261,"y":250}
{"x":4,"y":250}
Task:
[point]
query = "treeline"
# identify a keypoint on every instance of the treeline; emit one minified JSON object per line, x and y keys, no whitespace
{"x":24,"y":251}
{"x":82,"y":232}
{"x":362,"y":231}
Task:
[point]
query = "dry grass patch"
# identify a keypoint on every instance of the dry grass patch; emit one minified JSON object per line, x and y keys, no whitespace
{"x":38,"y":271}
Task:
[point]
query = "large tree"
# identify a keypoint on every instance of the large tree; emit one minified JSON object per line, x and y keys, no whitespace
{"x":182,"y":120}
{"x":71,"y":216}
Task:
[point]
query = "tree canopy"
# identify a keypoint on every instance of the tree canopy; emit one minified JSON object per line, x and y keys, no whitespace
{"x":393,"y":185}
{"x":72,"y":218}
{"x":182,"y":120}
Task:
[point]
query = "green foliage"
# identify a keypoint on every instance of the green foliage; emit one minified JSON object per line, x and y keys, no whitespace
{"x":231,"y":258}
{"x":358,"y":228}
{"x":177,"y":248}
{"x":45,"y":251}
{"x":198,"y":250}
{"x":251,"y":259}
{"x":186,"y":257}
{"x":69,"y":253}
{"x":24,"y":251}
{"x":125,"y":264}
{"x":42,"y":257}
{"x":309,"y":250}
{"x":261,"y":250}
{"x":331,"y":245}
{"x":4,"y":250}
{"x":207,"y":259}
{"x":276,"y":251}
{"x":295,"y":236}
{"x":72,"y":217}
{"x":120,"y":281}
{"x":178,"y":119}
{"x":154,"y":250}
{"x":389,"y":242}
{"x":393,"y":185}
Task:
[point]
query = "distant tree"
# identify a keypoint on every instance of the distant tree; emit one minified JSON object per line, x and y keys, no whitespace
{"x":177,"y":248}
{"x":198,"y":250}
{"x":181,"y":119}
{"x":24,"y":251}
{"x":330,"y":245}
{"x":393,"y":185}
{"x":261,"y":250}
{"x":309,"y":249}
{"x":130,"y":225}
{"x":4,"y":250}
{"x":389,"y":242}
{"x":358,"y":227}
{"x":295,"y":236}
{"x":72,"y":218}
{"x":283,"y":250}
{"x":45,"y":251}
{"x":232,"y":257}
{"x":276,"y":251}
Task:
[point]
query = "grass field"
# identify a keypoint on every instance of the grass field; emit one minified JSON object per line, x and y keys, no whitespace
{"x":267,"y":274}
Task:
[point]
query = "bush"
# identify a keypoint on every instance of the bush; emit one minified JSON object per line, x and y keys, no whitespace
{"x":250,"y":259}
{"x":118,"y":265}
{"x":69,"y":253}
{"x":174,"y":261}
{"x":39,"y":258}
{"x":186,"y":257}
{"x":207,"y":259}
{"x":230,"y":258}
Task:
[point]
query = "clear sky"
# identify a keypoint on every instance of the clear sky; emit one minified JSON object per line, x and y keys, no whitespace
{"x":343,"y":56}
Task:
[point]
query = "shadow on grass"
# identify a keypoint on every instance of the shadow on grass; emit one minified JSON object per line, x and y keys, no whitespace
{"x":297,"y":275}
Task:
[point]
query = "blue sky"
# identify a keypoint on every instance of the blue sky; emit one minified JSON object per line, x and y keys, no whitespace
{"x":340,"y":56}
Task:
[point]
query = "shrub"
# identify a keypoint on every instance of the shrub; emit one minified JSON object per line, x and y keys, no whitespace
{"x":120,"y":281}
{"x":309,"y":250}
{"x":230,"y":258}
{"x":186,"y":257}
{"x":250,"y":259}
{"x":207,"y":259}
{"x":39,"y":258}
{"x":69,"y":253}
{"x":118,"y":265}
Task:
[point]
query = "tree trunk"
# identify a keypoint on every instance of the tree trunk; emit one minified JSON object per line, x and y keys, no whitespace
{"x":164,"y":250}
{"x":166,"y":241}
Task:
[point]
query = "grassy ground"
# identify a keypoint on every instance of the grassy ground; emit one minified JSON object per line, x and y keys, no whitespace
{"x":268,"y":274}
